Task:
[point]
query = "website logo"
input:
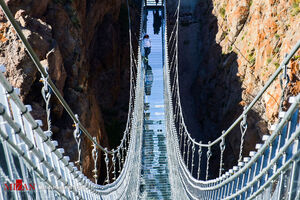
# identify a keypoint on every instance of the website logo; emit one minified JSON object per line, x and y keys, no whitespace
{"x":19,"y":186}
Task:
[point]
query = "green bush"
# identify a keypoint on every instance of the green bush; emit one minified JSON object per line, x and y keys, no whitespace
{"x":251,"y":57}
{"x":276,"y":50}
{"x":296,"y":8}
{"x":222,"y":12}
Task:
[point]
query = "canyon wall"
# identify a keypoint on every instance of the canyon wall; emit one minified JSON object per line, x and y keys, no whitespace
{"x":227,"y":51}
{"x":84,"y":43}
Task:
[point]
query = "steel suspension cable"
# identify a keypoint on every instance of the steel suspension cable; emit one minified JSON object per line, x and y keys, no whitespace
{"x":258,"y":96}
{"x":173,"y":43}
{"x":54,"y":89}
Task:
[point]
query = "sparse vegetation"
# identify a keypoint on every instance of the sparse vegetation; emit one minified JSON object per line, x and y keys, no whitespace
{"x":223,"y":36}
{"x":276,"y":65}
{"x":296,"y":57}
{"x":222,"y":12}
{"x":252,"y":60}
{"x":251,"y":57}
{"x":276,"y":50}
{"x":296,"y":8}
{"x":250,"y":3}
{"x":269,"y":60}
{"x":277,"y":36}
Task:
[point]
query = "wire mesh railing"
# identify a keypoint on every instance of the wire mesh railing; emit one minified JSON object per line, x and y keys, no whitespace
{"x":114,"y":158}
{"x":49,"y":170}
{"x":192,"y":155}
{"x":188,"y":144}
{"x":26,"y":147}
{"x":275,"y":164}
{"x":27,"y":152}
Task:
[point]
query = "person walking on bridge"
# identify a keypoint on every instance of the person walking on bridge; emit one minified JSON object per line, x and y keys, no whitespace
{"x":156,"y":22}
{"x":147,"y":45}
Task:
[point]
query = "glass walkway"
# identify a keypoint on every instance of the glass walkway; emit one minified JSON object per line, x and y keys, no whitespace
{"x":155,"y":181}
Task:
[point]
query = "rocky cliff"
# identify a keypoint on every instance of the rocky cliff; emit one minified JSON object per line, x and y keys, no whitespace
{"x":228,"y":50}
{"x":84,"y":44}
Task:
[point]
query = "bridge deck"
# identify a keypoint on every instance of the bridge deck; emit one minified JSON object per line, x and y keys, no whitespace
{"x":29,"y":156}
{"x":155,"y":180}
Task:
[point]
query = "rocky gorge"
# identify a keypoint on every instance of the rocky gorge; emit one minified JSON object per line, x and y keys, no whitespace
{"x":84,"y":45}
{"x":227,"y":51}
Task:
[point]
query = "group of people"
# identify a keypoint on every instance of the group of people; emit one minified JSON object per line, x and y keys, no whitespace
{"x":156,"y":27}
{"x":147,"y":47}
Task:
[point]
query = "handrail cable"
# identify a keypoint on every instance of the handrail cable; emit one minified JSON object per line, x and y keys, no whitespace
{"x":41,"y":69}
{"x":257,"y":97}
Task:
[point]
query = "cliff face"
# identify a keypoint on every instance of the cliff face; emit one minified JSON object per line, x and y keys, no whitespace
{"x":228,"y":50}
{"x":84,"y":43}
{"x":261,"y":33}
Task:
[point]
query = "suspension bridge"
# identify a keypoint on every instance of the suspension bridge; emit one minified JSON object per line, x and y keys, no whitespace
{"x":157,"y":157}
